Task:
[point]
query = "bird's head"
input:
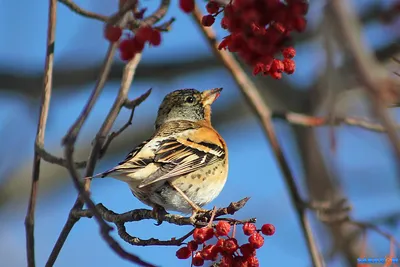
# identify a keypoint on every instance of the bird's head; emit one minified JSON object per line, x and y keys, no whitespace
{"x":187,"y":104}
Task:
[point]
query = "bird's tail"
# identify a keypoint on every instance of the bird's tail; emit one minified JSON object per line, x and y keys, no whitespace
{"x":99,"y":175}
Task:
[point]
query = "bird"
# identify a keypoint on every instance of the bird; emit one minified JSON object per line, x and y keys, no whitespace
{"x":184,"y":165}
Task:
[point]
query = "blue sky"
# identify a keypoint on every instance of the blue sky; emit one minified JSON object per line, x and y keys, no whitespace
{"x":363,"y":160}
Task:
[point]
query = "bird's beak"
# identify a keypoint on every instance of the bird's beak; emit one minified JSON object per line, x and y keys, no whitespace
{"x":209,"y":96}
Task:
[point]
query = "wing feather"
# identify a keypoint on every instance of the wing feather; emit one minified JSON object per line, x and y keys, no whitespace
{"x":180,"y":156}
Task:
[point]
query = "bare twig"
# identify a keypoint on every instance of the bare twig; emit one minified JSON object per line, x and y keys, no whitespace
{"x":338,"y":213}
{"x":87,"y":14}
{"x":83,"y":192}
{"x":305,"y":120}
{"x":128,"y":104}
{"x":144,"y":214}
{"x":375,"y":228}
{"x":46,"y":156}
{"x":98,"y":144}
{"x":44,"y":110}
{"x":253,"y":97}
{"x":72,"y":135}
{"x":71,"y":138}
{"x":374,"y":78}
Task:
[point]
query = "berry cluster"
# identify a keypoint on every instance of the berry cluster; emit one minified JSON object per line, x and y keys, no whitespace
{"x":133,"y":44}
{"x":259,"y":29}
{"x":226,"y":249}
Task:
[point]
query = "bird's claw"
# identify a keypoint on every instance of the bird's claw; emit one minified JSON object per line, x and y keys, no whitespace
{"x":159,"y":213}
{"x":193,"y":218}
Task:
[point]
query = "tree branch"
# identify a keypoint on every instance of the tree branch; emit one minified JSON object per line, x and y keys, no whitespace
{"x":263,"y":112}
{"x":144,"y":214}
{"x":70,"y":139}
{"x":128,"y":104}
{"x":44,"y":110}
{"x":380,"y":88}
{"x":84,"y":13}
{"x":311,"y":121}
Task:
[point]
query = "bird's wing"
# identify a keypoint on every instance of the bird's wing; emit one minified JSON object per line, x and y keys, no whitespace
{"x":186,"y":153}
{"x":130,"y":163}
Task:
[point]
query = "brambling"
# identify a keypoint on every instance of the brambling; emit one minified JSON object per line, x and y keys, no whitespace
{"x":184,"y":165}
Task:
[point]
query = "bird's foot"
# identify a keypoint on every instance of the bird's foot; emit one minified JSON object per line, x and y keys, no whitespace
{"x":159,"y":212}
{"x":195,"y":212}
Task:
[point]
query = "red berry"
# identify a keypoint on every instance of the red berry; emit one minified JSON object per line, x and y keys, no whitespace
{"x":298,"y":8}
{"x":299,"y":24}
{"x":289,"y":52}
{"x":247,"y":250}
{"x":277,"y":66}
{"x":192,"y":245}
{"x":289,"y":65}
{"x":249,"y":228}
{"x":226,"y":261}
{"x":183,"y":253}
{"x":112,"y":33}
{"x":197,"y":260}
{"x":256,"y":240}
{"x":268,"y":229}
{"x":224,"y":23}
{"x":138,"y":45}
{"x":222,"y":228}
{"x":155,"y":39}
{"x":186,"y":5}
{"x":209,"y":252}
{"x":208,"y":233}
{"x":220,"y":243}
{"x":200,"y":235}
{"x":276,"y":75}
{"x":144,"y":34}
{"x":212,"y":7}
{"x":259,"y":67}
{"x":207,"y":20}
{"x":252,"y":261}
{"x":239,"y":262}
{"x":126,"y":48}
{"x":230,"y":245}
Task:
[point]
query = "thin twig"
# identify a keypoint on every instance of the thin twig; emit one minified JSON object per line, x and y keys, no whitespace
{"x":146,"y":214}
{"x":253,"y":97}
{"x":131,"y":105}
{"x":83,"y":192}
{"x":46,"y":156}
{"x":374,"y":78}
{"x":84,"y":13}
{"x":311,"y":121}
{"x":203,"y":219}
{"x":70,"y":139}
{"x":71,"y":135}
{"x":44,"y":110}
{"x":375,"y":228}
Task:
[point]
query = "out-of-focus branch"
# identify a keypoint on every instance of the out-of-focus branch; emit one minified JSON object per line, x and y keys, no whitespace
{"x":144,"y":214}
{"x":128,"y":104}
{"x":373,"y":77}
{"x":83,"y":189}
{"x":84,"y":13}
{"x":311,"y":121}
{"x":46,"y":156}
{"x":263,"y":112}
{"x":70,"y":139}
{"x":72,"y":135}
{"x":41,"y":128}
{"x":337,"y":212}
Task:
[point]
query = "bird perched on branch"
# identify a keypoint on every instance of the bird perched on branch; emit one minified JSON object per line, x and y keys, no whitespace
{"x":184,"y":165}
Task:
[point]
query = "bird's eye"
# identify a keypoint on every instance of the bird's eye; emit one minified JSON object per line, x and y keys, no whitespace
{"x":189,"y":99}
